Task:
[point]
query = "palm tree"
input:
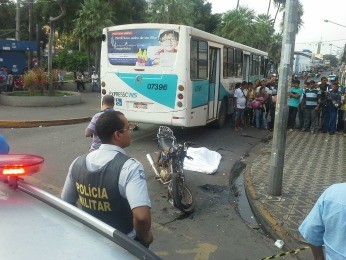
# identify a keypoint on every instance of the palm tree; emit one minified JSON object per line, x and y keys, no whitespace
{"x":264,"y":32}
{"x":93,"y":16}
{"x":274,"y":48}
{"x":171,"y":11}
{"x":278,"y":4}
{"x":238,"y":25}
{"x":281,"y":7}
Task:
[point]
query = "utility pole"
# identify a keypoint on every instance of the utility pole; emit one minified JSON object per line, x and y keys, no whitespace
{"x":18,"y":20}
{"x":52,"y":20}
{"x":31,"y":5}
{"x":319,"y":47}
{"x":38,"y":42}
{"x":238,"y":5}
{"x":281,"y":113}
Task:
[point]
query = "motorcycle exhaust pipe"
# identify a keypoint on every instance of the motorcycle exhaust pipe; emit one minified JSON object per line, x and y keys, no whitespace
{"x":151,"y":161}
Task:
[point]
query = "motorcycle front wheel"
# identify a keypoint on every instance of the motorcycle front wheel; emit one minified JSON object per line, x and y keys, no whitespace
{"x":181,"y":195}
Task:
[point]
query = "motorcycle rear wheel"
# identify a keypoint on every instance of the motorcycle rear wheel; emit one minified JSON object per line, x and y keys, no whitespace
{"x":181,"y":195}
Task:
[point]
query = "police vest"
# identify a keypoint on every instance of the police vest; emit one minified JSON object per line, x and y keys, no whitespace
{"x":99,"y":192}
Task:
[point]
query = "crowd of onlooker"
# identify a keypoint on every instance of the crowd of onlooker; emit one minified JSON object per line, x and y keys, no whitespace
{"x":312,"y":107}
{"x":11,"y":82}
{"x":8,"y":81}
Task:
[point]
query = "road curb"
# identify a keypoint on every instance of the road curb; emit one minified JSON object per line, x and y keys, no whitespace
{"x":42,"y":123}
{"x":269,"y":224}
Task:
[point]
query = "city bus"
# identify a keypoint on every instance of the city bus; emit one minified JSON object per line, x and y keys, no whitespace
{"x":174,"y":75}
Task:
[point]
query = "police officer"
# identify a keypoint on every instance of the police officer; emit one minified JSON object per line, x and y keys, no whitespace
{"x":110,"y":185}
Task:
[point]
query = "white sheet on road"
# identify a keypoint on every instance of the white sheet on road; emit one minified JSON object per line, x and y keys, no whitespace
{"x":204,"y":160}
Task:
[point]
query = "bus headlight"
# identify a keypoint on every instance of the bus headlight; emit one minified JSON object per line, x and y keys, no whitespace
{"x":181,"y":88}
{"x":179,"y":104}
{"x":103,"y":84}
{"x":180,"y":96}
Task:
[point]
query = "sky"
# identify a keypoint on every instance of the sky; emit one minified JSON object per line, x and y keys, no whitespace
{"x":314,"y":29}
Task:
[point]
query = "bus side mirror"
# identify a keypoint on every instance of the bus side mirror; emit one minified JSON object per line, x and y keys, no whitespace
{"x":103,"y":37}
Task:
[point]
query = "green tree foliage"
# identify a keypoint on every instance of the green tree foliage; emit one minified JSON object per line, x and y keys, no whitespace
{"x":71,"y":61}
{"x":170,"y":11}
{"x":238,"y":25}
{"x":333,"y":59}
{"x":264,"y":32}
{"x":203,"y":19}
{"x":196,"y":13}
{"x":128,"y":11}
{"x":214,"y":21}
{"x":48,"y":9}
{"x":274,"y":47}
{"x":7,"y":9}
{"x":245,"y":27}
{"x":93,"y":16}
{"x":281,"y":4}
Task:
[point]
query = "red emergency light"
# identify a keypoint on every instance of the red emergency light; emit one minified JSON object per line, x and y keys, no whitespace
{"x":20,"y":164}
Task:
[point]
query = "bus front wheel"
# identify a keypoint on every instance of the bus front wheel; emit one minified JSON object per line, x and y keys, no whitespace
{"x":221,"y":120}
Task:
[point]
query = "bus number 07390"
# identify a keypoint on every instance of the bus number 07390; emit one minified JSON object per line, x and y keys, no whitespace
{"x":157,"y":86}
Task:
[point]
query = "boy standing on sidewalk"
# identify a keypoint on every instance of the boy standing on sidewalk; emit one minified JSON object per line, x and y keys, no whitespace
{"x":294,"y":101}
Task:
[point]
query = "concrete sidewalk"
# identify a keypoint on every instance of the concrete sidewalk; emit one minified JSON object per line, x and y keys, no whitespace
{"x":22,"y":117}
{"x":313,"y":162}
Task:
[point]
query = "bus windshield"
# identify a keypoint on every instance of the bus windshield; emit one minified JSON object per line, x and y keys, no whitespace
{"x":143,"y":47}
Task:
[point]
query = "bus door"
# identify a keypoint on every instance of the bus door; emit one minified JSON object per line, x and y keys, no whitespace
{"x":214,"y":81}
{"x":247,"y":63}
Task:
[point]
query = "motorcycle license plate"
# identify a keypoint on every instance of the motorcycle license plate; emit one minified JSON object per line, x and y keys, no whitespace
{"x":140,"y":105}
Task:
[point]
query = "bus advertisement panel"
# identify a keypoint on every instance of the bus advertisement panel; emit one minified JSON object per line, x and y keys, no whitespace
{"x":143,"y":47}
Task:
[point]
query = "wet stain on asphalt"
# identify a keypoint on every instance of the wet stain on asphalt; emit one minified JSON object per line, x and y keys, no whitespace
{"x":213,"y":188}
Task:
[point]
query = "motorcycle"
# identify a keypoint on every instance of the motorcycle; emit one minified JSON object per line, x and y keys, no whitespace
{"x":169,"y":169}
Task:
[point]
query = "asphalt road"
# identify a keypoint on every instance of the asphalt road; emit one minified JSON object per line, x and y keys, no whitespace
{"x":213,"y":231}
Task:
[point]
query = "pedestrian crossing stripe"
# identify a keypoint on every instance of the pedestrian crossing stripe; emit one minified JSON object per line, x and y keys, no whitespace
{"x":296,"y":251}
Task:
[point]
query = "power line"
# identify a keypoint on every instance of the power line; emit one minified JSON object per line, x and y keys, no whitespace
{"x":321,"y":41}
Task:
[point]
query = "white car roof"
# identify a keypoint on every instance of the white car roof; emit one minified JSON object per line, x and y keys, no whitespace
{"x":53,"y":229}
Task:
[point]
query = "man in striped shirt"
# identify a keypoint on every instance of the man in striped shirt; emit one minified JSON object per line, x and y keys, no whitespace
{"x":107,"y":105}
{"x":310,"y":104}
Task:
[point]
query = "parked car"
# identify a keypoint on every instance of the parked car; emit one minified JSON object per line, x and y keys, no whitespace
{"x":332,"y":77}
{"x":37,"y":225}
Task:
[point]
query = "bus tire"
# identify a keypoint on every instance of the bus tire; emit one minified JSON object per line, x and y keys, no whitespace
{"x":221,"y":119}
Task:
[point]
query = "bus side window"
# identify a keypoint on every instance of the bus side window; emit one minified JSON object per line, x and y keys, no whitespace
{"x":255,"y":65}
{"x":238,"y":63}
{"x":198,"y":59}
{"x":228,"y":62}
